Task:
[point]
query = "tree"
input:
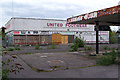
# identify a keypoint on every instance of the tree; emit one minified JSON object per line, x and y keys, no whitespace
{"x":112,"y":35}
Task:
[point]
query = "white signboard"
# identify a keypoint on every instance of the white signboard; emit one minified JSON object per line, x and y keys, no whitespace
{"x":90,"y":37}
{"x":45,"y":25}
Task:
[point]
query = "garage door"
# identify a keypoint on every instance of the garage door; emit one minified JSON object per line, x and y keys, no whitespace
{"x":19,"y":39}
{"x":32,"y":39}
{"x":64,"y":39}
{"x":56,"y":38}
{"x":45,"y":39}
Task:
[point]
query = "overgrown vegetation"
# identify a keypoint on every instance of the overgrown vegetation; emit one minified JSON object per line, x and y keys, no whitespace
{"x":109,"y":58}
{"x":37,"y":46}
{"x":5,"y":73}
{"x":106,"y":48}
{"x":112,"y":37}
{"x":87,"y":48}
{"x":10,"y":49}
{"x":77,"y":43}
{"x":53,"y":46}
{"x":14,"y":67}
{"x":17,"y":48}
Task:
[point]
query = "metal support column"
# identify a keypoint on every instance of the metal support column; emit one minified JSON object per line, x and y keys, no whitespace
{"x":97,"y":37}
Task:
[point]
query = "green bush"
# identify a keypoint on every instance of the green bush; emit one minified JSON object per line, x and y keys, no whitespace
{"x":108,"y":58}
{"x":112,"y":40}
{"x":113,"y":55}
{"x":77,"y":43}
{"x":17,"y":48}
{"x":104,"y":60}
{"x":89,"y":48}
{"x":112,"y":37}
{"x":117,"y":49}
{"x":71,"y":50}
{"x":10,"y":49}
{"x":36,"y":46}
{"x":106,"y":47}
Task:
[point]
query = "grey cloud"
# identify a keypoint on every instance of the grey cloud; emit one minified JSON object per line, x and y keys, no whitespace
{"x":40,"y":11}
{"x":14,"y":5}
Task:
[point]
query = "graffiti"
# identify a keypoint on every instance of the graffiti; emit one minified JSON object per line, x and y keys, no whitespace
{"x":108,"y":11}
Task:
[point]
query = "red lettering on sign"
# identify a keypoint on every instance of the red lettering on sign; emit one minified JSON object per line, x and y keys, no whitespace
{"x":57,"y":25}
{"x":48,"y":24}
{"x":66,"y":25}
{"x":61,"y":25}
{"x":16,"y":32}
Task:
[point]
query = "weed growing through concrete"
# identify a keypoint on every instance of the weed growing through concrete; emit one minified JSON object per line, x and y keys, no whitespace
{"x":36,"y":46}
{"x":87,"y":48}
{"x":10,"y":49}
{"x":53,"y":46}
{"x":17,"y":48}
{"x":109,"y":58}
{"x":14,"y":68}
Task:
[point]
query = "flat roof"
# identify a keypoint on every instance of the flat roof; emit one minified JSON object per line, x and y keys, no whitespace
{"x":108,"y":16}
{"x":37,"y":19}
{"x":34,"y":19}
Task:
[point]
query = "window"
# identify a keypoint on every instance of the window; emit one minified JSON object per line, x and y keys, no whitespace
{"x":23,"y":32}
{"x":35,"y":32}
{"x":76,"y":32}
{"x":45,"y":32}
{"x":28,"y":32}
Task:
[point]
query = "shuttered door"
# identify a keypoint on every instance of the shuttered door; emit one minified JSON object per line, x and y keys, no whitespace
{"x":64,"y":39}
{"x":19,"y":39}
{"x":56,"y":38}
{"x":70,"y":38}
{"x":45,"y":39}
{"x":32,"y":39}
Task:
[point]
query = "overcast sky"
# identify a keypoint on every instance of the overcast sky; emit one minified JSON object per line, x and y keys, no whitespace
{"x":50,"y":9}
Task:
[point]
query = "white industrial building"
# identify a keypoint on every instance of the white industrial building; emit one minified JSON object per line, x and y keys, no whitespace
{"x":44,"y":31}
